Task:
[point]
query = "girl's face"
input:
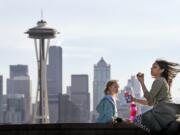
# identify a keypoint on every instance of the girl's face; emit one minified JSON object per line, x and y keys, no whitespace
{"x":113,"y":89}
{"x":155,"y":70}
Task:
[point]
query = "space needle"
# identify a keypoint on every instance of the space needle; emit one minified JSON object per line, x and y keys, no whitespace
{"x":41,"y":35}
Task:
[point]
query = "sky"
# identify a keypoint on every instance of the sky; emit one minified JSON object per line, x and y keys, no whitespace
{"x":129,"y":34}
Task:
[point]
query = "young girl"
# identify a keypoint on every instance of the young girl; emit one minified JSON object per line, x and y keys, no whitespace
{"x":107,"y":108}
{"x":164,"y":111}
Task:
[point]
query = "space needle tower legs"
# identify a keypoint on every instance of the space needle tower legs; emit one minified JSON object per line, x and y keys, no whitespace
{"x":42,"y":104}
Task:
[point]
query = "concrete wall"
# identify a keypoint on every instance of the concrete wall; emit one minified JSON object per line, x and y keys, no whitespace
{"x":75,"y":129}
{"x":71,"y":129}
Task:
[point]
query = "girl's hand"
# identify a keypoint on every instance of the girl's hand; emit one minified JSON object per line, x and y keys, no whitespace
{"x":140,"y":77}
{"x":114,"y":120}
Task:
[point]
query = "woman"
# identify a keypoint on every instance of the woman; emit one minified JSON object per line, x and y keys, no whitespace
{"x":107,"y":108}
{"x":164,"y":111}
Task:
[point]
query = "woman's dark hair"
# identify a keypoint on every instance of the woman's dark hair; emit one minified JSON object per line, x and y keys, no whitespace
{"x":170,"y":70}
{"x":109,"y":84}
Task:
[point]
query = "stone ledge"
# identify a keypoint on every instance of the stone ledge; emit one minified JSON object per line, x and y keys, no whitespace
{"x":72,"y":129}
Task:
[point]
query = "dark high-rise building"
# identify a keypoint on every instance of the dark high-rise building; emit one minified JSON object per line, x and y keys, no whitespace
{"x":69,"y":112}
{"x":18,"y":70}
{"x":54,"y":69}
{"x":1,"y":89}
{"x":54,"y":81}
{"x":1,"y":97}
{"x":80,"y":96}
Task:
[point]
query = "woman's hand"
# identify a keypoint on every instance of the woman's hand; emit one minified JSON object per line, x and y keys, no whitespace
{"x":133,"y":99}
{"x":140,"y":101}
{"x":140,"y":77}
{"x":128,"y":121}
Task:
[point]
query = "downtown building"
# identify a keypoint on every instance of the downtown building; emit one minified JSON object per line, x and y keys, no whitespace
{"x":69,"y":111}
{"x":102,"y":74}
{"x":1,"y":89}
{"x":15,"y":110}
{"x":80,"y":98}
{"x":68,"y":91}
{"x":54,"y":82}
{"x":19,"y":96}
{"x":1,"y":97}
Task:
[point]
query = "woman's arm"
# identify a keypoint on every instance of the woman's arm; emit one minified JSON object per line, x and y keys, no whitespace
{"x":140,"y":101}
{"x":140,"y":77}
{"x":150,"y":96}
{"x":144,"y":88}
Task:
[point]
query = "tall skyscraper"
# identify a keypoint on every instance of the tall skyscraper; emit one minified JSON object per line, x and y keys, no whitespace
{"x":1,"y":97}
{"x":102,"y":74}
{"x":80,"y":96}
{"x":54,"y":81}
{"x":1,"y":89}
{"x":20,"y":84}
{"x":55,"y":70}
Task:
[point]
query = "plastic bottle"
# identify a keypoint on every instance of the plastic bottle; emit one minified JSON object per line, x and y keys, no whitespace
{"x":133,"y":111}
{"x":128,"y":96}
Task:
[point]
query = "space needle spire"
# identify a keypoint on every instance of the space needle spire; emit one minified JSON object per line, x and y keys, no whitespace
{"x":41,"y":35}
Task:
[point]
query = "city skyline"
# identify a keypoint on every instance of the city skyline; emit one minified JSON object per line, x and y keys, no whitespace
{"x":130,"y":35}
{"x":65,"y":90}
{"x":19,"y":78}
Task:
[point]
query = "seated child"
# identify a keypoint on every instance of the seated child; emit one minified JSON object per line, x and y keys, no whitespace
{"x":107,"y":107}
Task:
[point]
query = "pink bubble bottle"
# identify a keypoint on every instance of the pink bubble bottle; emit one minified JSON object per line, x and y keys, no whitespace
{"x":133,"y":111}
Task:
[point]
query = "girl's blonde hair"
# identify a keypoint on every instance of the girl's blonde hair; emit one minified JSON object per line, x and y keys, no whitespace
{"x":109,"y":84}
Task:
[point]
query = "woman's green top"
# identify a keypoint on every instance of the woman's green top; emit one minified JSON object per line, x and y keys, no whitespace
{"x":159,"y":92}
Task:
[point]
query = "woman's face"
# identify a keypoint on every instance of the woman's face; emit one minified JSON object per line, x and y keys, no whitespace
{"x":155,"y":70}
{"x":113,"y":89}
